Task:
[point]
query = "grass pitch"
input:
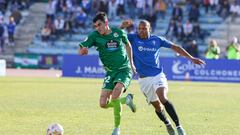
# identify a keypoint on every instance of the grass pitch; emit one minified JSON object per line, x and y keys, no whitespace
{"x":29,"y":105}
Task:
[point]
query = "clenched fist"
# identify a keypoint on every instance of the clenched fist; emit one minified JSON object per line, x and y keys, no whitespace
{"x":83,"y":51}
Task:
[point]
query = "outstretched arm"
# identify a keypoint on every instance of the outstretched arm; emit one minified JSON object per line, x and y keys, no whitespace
{"x":130,"y":56}
{"x":184,"y":53}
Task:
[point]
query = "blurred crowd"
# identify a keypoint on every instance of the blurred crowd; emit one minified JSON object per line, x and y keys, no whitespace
{"x":73,"y":16}
{"x":9,"y":21}
{"x":232,"y":51}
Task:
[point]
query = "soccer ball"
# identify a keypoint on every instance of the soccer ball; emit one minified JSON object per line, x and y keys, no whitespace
{"x":55,"y":129}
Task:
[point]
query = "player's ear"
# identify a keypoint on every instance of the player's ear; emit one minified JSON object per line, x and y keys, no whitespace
{"x":106,"y":22}
{"x":150,"y":29}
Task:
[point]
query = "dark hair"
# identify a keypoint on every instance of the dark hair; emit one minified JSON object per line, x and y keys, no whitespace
{"x":102,"y":16}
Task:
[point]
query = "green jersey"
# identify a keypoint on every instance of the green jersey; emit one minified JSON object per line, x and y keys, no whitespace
{"x":232,"y":52}
{"x":213,"y":53}
{"x":111,"y":48}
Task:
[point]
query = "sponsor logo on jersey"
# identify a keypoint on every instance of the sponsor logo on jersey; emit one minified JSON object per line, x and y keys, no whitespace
{"x":112,"y":45}
{"x":141,"y":48}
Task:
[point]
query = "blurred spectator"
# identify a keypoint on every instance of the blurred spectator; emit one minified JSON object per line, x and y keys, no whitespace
{"x":170,"y":33}
{"x":214,"y":4}
{"x":152,"y":18}
{"x":50,"y":24}
{"x":160,"y":8}
{"x":68,"y":24}
{"x":11,"y":30}
{"x":51,"y":9}
{"x":224,"y":9}
{"x":112,"y":12}
{"x":234,"y":10}
{"x":86,"y":6}
{"x":177,"y":13}
{"x":95,"y":7}
{"x":81,"y":18}
{"x":213,"y":51}
{"x":14,"y":6}
{"x":103,"y":6}
{"x":179,"y":32}
{"x":188,"y":29}
{"x":206,"y":4}
{"x":59,"y":26}
{"x":192,"y":48}
{"x":1,"y":37}
{"x":148,"y":6}
{"x":120,"y":8}
{"x":132,"y":8}
{"x":140,"y":7}
{"x":196,"y":30}
{"x":17,"y":16}
{"x":45,"y":33}
{"x":233,"y":49}
{"x":194,"y":14}
{"x":3,"y":6}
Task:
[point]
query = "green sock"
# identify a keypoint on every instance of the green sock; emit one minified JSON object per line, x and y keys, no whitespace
{"x":117,"y":110}
{"x":123,"y":100}
{"x":109,"y":104}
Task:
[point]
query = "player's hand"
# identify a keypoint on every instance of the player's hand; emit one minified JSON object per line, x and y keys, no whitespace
{"x":83,"y":51}
{"x":126,"y":23}
{"x":198,"y":61}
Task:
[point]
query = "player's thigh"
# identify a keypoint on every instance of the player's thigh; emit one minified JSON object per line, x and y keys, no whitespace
{"x":160,"y":85}
{"x":104,"y":97}
{"x":162,"y":94}
{"x":124,"y":77}
{"x":146,"y":86}
{"x":117,"y":91}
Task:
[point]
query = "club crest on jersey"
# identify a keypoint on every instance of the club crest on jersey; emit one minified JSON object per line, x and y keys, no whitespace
{"x":115,"y":34}
{"x":112,"y":45}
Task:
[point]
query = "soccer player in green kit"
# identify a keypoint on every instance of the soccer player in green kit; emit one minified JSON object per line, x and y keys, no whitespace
{"x":115,"y":52}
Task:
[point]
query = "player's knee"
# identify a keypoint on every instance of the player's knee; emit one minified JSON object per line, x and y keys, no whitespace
{"x":103,"y":105}
{"x":117,"y":91}
{"x":159,"y":108}
{"x":162,"y":94}
{"x":163,"y":99}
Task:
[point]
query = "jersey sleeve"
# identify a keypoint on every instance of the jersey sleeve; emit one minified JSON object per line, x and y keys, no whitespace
{"x":124,"y":37}
{"x":164,"y":42}
{"x":88,"y":42}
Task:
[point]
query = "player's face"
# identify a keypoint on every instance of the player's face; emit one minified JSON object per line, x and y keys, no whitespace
{"x":100,"y":27}
{"x":143,"y":30}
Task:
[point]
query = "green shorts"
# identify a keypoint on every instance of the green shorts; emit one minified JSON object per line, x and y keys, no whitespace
{"x":112,"y":78}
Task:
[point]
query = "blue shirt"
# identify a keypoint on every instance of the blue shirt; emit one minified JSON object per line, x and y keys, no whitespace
{"x":146,"y":53}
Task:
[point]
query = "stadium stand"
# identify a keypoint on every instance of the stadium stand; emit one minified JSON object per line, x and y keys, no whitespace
{"x":212,"y":24}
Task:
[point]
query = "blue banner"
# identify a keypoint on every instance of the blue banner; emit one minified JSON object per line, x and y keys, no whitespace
{"x":215,"y":70}
{"x":174,"y":68}
{"x":82,"y":66}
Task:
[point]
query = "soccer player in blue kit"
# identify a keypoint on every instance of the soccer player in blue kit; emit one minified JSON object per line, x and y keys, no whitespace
{"x":152,"y":80}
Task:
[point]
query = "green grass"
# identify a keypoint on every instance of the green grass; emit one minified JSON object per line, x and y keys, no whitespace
{"x":28,"y":105}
